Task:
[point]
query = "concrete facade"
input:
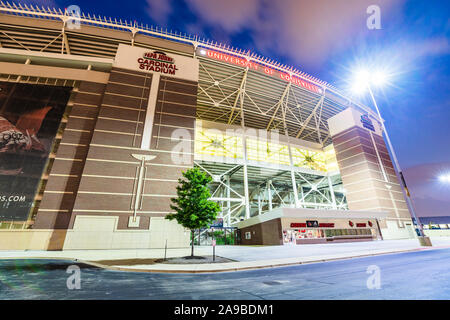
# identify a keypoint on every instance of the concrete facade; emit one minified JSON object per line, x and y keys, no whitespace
{"x":130,"y":132}
{"x":91,"y":189}
{"x":368,"y":173}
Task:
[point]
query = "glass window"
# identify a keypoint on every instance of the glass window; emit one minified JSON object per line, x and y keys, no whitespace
{"x":314,"y":160}
{"x":330,"y":160}
{"x":260,"y":150}
{"x":213,"y":142}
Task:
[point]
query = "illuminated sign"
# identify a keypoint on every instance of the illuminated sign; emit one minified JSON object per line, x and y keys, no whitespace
{"x":312,"y":223}
{"x":218,"y":223}
{"x":361,"y":225}
{"x":261,"y":68}
{"x":231,"y":59}
{"x":326,"y":225}
{"x":366,"y":122}
{"x":157,"y":61}
{"x":298,"y":225}
{"x":30,"y":117}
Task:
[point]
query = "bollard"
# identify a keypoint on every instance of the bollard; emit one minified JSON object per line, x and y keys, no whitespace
{"x":165,"y":251}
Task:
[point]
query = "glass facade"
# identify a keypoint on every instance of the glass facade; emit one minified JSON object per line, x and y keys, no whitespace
{"x":293,"y":236}
{"x":262,"y":178}
{"x":213,"y":142}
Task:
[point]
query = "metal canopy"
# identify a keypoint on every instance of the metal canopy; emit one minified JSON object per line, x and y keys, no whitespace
{"x":268,"y":103}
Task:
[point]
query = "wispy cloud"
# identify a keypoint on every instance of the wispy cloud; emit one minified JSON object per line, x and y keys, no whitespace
{"x":430,"y":46}
{"x":159,"y":10}
{"x":231,"y":15}
{"x":429,"y":194}
{"x":303,"y":30}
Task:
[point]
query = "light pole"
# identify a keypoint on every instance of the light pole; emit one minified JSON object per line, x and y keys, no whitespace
{"x":378,"y":77}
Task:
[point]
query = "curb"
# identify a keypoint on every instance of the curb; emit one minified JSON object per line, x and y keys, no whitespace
{"x":276,"y":265}
{"x":234,"y":269}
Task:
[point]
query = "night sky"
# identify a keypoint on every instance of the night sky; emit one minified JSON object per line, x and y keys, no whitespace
{"x":328,"y":39}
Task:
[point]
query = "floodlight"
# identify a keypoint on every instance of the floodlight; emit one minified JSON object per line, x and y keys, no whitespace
{"x":378,"y":78}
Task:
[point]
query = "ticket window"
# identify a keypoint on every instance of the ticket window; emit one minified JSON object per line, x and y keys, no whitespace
{"x":314,"y":233}
{"x":291,"y":235}
{"x":303,"y":234}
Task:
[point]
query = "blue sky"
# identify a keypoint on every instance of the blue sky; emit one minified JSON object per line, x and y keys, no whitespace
{"x":329,"y":38}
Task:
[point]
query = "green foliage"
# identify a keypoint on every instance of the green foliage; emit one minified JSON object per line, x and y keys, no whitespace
{"x":193,"y":209}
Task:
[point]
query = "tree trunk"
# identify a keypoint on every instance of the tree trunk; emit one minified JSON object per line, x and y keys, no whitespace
{"x":192,"y":244}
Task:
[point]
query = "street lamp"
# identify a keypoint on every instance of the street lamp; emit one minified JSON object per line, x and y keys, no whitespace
{"x":363,"y":81}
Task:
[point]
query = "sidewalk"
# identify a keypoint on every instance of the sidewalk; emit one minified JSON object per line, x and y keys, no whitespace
{"x":245,"y":257}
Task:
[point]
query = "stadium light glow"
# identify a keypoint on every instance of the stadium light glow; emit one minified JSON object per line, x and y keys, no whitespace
{"x":379,"y":78}
{"x":445,"y":178}
{"x":363,"y":78}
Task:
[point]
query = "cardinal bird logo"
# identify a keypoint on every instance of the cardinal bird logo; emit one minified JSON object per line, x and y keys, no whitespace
{"x":20,"y":138}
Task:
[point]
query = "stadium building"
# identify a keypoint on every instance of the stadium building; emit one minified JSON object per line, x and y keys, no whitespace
{"x":100,"y":117}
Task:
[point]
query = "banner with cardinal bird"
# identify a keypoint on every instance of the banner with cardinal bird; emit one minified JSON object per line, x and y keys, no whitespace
{"x":30,"y":116}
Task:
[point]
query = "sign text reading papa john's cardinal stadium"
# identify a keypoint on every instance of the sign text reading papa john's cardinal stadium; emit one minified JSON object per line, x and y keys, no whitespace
{"x":157,"y":61}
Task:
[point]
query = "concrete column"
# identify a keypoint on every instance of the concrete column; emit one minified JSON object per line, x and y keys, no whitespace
{"x":228,"y":202}
{"x":246,"y":193}
{"x":259,"y":202}
{"x":150,"y":114}
{"x":294,"y":183}
{"x":244,"y":146}
{"x":269,"y":195}
{"x":367,"y":172}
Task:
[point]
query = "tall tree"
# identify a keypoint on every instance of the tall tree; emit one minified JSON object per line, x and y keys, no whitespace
{"x":193,"y":208}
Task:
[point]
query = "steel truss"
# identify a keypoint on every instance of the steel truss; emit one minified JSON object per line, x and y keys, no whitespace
{"x":226,"y":93}
{"x":268,"y":189}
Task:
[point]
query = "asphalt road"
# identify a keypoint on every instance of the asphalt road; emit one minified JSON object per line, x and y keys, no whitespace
{"x":413,"y":275}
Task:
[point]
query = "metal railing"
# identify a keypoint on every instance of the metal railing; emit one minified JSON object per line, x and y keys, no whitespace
{"x":134,"y":27}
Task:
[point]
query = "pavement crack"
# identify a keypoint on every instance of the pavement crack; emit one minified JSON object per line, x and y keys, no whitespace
{"x":252,"y":294}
